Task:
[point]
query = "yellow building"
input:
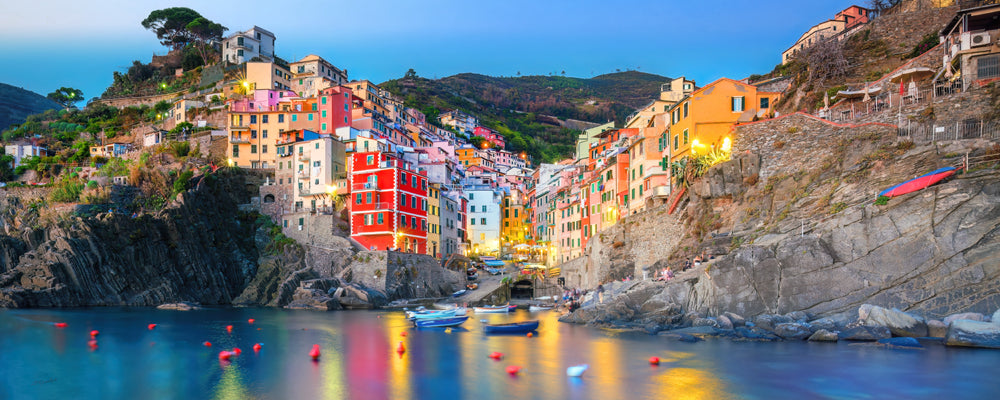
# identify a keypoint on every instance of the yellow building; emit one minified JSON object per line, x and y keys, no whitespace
{"x":702,"y":121}
{"x":267,"y":75}
{"x":253,"y":136}
{"x":513,"y":230}
{"x":467,"y":156}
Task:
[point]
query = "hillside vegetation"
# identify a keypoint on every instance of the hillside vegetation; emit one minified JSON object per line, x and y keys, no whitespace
{"x":19,"y":103}
{"x":527,"y":110}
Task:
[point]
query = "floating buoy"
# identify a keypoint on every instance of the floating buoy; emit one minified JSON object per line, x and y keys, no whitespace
{"x":401,"y":349}
{"x":403,"y":334}
{"x":577,"y":370}
{"x":207,"y":344}
{"x":530,"y":334}
{"x":225,"y":355}
{"x":251,"y":320}
{"x":314,"y":353}
{"x":496,"y":355}
{"x":237,"y":351}
{"x":513,"y":369}
{"x":152,"y":326}
{"x":256,"y":347}
{"x":229,"y":328}
{"x":94,"y":333}
{"x":654,"y":360}
{"x":258,"y":329}
{"x":61,"y":324}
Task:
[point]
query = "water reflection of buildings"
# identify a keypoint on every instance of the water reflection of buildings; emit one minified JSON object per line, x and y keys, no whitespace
{"x":367,"y":365}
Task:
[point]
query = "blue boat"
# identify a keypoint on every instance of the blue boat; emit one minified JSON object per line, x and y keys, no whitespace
{"x":440,"y":322}
{"x":513,"y":327}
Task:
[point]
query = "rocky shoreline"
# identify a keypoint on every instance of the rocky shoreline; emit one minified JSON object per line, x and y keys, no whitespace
{"x":640,"y":306}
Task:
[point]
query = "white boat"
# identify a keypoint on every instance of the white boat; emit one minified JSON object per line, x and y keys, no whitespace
{"x":431,"y":314}
{"x":444,"y":306}
{"x":577,"y":370}
{"x":538,"y":308}
{"x":492,"y":310}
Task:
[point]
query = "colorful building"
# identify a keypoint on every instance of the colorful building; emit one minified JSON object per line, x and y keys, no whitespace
{"x":388,"y":203}
{"x":484,"y":219}
{"x":241,"y":47}
{"x":317,"y":164}
{"x":254,"y":125}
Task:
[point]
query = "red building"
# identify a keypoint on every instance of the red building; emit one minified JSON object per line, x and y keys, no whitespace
{"x":388,"y":203}
{"x":853,"y":16}
{"x":490,"y":136}
{"x":335,"y":104}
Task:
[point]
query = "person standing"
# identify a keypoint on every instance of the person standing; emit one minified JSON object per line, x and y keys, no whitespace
{"x":600,"y":294}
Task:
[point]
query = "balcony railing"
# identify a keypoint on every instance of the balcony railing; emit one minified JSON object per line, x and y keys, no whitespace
{"x":372,"y":206}
{"x":302,"y":174}
{"x":364,"y":186}
{"x":239,"y":140}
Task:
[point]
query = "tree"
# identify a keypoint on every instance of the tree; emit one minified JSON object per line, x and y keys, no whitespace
{"x":170,"y":25}
{"x":66,"y":97}
{"x":205,"y":32}
{"x":410,"y":74}
{"x":826,"y":61}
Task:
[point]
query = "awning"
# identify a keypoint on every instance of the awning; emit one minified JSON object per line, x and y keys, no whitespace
{"x":857,"y":94}
{"x":912,"y":74}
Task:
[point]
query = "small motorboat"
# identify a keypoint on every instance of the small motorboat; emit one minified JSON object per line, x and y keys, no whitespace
{"x":459,"y":293}
{"x":431,"y":314}
{"x":539,"y":308}
{"x":491,"y":309}
{"x":513,"y":327}
{"x":440,"y":322}
{"x":577,"y":370}
{"x":511,"y":307}
{"x":443,"y":306}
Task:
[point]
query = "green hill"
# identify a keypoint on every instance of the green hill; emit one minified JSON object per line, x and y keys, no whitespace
{"x":19,"y":103}
{"x":522,"y":108}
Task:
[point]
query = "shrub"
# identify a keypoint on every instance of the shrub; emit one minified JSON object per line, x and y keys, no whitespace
{"x":179,"y":149}
{"x":67,"y":191}
{"x":882,"y":200}
{"x":91,"y":184}
{"x":182,"y":182}
{"x":929,"y":41}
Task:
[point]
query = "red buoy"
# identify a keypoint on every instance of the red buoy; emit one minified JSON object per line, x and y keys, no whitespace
{"x":403,"y":334}
{"x":654,"y":360}
{"x":61,"y":324}
{"x":152,"y":326}
{"x":94,"y":333}
{"x":314,"y":353}
{"x":237,"y":351}
{"x":496,"y":355}
{"x":251,"y":320}
{"x":256,"y":347}
{"x":401,"y":349}
{"x":530,"y":334}
{"x":225,"y":355}
{"x":229,"y":328}
{"x":207,"y":344}
{"x":513,"y":369}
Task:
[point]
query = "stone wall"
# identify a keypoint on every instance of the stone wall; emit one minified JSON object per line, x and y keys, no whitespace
{"x":903,"y":29}
{"x":402,"y":275}
{"x":123,"y":102}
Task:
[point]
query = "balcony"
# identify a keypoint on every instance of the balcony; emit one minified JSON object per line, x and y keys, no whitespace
{"x":239,"y":140}
{"x":305,"y":156}
{"x":240,"y":127}
{"x":660,"y":191}
{"x":302,"y":174}
{"x":364,"y":186}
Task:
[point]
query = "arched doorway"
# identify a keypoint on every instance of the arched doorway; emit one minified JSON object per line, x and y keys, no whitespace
{"x":522,"y":289}
{"x":269,"y":198}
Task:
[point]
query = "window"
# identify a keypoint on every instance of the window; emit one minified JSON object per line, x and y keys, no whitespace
{"x":402,"y":199}
{"x":263,"y":148}
{"x":473,"y":209}
{"x":738,"y":103}
{"x":310,"y":116}
{"x":357,"y":199}
{"x":263,"y":133}
{"x":368,"y":219}
{"x":281,"y":117}
{"x":765,"y":103}
{"x":295,"y":117}
{"x":314,"y":106}
{"x":402,"y":221}
{"x":413,"y":180}
{"x":473,"y":220}
{"x":368,"y":198}
{"x":686,"y":109}
{"x":685,"y":136}
{"x":253,"y":119}
{"x":370,"y":159}
{"x":988,"y":67}
{"x":323,"y":125}
{"x":483,"y":221}
{"x":380,"y":219}
{"x":413,"y":202}
{"x":323,"y":99}
{"x":253,"y":149}
{"x":472,"y":196}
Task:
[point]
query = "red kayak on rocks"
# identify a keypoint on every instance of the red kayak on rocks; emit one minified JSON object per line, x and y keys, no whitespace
{"x":919,"y":182}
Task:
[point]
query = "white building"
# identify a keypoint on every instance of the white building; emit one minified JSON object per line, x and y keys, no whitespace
{"x":312,"y":73}
{"x":23,"y":151}
{"x":318,"y":166}
{"x":484,"y":219}
{"x":244,"y":46}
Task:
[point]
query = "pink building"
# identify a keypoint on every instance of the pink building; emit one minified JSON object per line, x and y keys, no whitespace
{"x":853,"y":16}
{"x":263,"y":100}
{"x":490,"y":136}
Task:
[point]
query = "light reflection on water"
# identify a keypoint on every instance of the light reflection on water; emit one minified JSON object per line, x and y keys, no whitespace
{"x":360,"y":361}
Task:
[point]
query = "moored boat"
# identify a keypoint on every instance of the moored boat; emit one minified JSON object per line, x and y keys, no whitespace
{"x":491,"y":309}
{"x":440,"y":322}
{"x":539,"y":308}
{"x":430,"y":314}
{"x":513,"y":327}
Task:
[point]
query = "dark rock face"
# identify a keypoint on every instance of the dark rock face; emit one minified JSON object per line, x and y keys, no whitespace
{"x":793,"y":331}
{"x":197,"y":250}
{"x":866,"y":333}
{"x":823,"y":335}
{"x":973,"y":334}
{"x":898,"y":322}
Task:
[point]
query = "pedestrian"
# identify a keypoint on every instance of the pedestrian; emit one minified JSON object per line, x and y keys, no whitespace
{"x":600,"y":294}
{"x":687,"y":264}
{"x":669,"y":273}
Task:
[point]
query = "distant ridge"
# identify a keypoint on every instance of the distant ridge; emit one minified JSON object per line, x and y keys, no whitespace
{"x":17,"y":104}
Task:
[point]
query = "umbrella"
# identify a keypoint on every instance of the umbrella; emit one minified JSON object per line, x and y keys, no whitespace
{"x":912,"y":88}
{"x":867,"y":97}
{"x":826,"y":101}
{"x":912,"y":74}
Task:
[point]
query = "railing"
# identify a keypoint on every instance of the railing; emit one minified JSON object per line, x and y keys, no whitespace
{"x":849,"y":110}
{"x":239,"y":140}
{"x":957,"y":130}
{"x":245,"y":106}
{"x":364,"y":186}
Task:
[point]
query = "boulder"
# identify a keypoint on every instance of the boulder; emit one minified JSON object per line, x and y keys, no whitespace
{"x":898,"y":322}
{"x":769,"y":321}
{"x":971,"y":316}
{"x":705,"y":322}
{"x":181,"y":306}
{"x":866,"y":333}
{"x":313,"y":299}
{"x":690,"y":317}
{"x":724,"y":322}
{"x":792,"y":331}
{"x":754,"y":334}
{"x":797,"y":316}
{"x":824,"y":335}
{"x":680,"y":337}
{"x":901,"y":343}
{"x":973,"y":334}
{"x":936,"y":329}
{"x":736,"y":319}
{"x":823,"y":324}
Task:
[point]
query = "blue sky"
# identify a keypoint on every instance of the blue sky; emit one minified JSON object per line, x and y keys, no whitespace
{"x":51,"y":43}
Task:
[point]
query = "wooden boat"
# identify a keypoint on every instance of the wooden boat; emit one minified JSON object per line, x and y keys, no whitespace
{"x":440,"y":322}
{"x":431,"y":314}
{"x":539,"y":308}
{"x":491,"y":309}
{"x":513,"y":327}
{"x":919,"y":182}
